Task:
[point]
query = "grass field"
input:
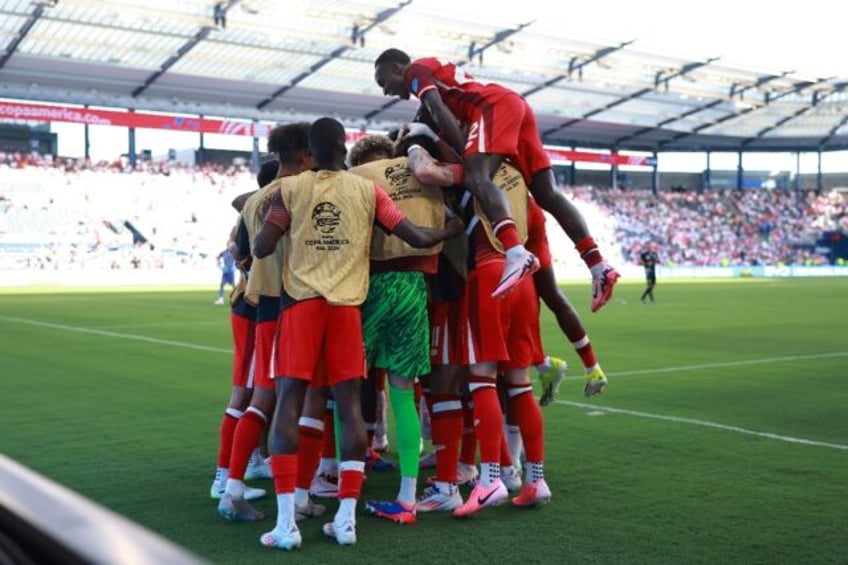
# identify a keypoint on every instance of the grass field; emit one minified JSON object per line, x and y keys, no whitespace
{"x":722,"y":439}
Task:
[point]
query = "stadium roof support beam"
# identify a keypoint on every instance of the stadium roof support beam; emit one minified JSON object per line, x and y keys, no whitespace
{"x":684,"y":70}
{"x":499,"y":37}
{"x":202,"y":34}
{"x":381,"y":17}
{"x":817,"y":98}
{"x":765,"y":79}
{"x":181,"y":52}
{"x":22,"y":33}
{"x":575,"y":66}
{"x":798,"y":87}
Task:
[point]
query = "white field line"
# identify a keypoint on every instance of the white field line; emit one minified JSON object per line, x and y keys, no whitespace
{"x":703,"y":424}
{"x":116,"y":335}
{"x":680,"y":368}
{"x":690,"y":421}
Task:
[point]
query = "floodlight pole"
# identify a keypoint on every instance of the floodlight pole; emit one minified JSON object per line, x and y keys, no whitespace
{"x":819,"y":184}
{"x":614,"y":170}
{"x":798,"y":173}
{"x":655,"y":175}
{"x":131,"y":143}
{"x":254,"y":156}
{"x":86,"y":140}
{"x":708,"y":173}
{"x":201,"y":151}
{"x":573,"y":170}
{"x":739,"y":171}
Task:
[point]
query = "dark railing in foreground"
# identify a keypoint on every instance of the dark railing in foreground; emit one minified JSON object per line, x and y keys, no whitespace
{"x":43,"y":522}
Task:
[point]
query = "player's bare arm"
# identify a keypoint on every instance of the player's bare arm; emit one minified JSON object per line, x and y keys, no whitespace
{"x":429,"y":171}
{"x":443,"y":117}
{"x":421,"y":237}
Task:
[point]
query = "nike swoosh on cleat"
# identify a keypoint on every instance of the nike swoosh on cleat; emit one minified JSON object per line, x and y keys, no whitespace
{"x":482,"y":500}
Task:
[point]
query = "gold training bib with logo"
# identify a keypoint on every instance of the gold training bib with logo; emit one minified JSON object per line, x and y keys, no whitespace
{"x":510,"y":181}
{"x":266,"y":273}
{"x":422,"y":204}
{"x":327,"y":246}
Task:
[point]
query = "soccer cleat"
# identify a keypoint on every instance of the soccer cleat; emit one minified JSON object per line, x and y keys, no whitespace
{"x":511,"y":477}
{"x":219,"y":487}
{"x":466,"y":474}
{"x":434,"y":500}
{"x":551,"y":379}
{"x":481,"y":497}
{"x":258,"y":468}
{"x":393,"y":510}
{"x":380,"y":443}
{"x":604,"y":278}
{"x":596,"y":382}
{"x":517,"y":266}
{"x":287,"y":538}
{"x":373,"y":462}
{"x":309,"y":510}
{"x":325,"y":485}
{"x":427,"y":461}
{"x":238,"y":510}
{"x":344,"y":531}
{"x":533,"y":494}
{"x":219,"y":302}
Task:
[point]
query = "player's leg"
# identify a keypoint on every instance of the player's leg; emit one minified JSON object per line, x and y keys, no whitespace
{"x":570,"y":324}
{"x":529,"y":419}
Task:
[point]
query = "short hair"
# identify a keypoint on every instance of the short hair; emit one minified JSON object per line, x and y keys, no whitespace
{"x":267,"y":172}
{"x":289,"y":141}
{"x":392,"y":56}
{"x":367,"y":146}
{"x":327,"y":139}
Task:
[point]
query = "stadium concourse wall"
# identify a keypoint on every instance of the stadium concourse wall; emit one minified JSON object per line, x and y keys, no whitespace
{"x":210,"y":278}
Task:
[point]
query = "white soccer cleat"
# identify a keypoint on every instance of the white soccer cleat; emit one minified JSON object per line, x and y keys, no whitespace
{"x":287,"y":538}
{"x":517,"y":266}
{"x":511,"y":477}
{"x":466,"y":474}
{"x":258,"y":468}
{"x":344,"y":531}
{"x":238,"y":510}
{"x":434,"y":500}
{"x":325,"y":485}
{"x":309,"y":510}
{"x":218,"y":490}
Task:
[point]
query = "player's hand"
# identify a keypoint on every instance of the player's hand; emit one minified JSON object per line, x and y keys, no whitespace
{"x":418,"y":128}
{"x":454,"y":226}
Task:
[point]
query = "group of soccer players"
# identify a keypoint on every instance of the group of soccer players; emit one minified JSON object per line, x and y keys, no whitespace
{"x":445,"y":291}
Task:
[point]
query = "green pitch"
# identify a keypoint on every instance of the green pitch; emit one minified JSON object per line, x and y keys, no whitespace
{"x":723,"y":437}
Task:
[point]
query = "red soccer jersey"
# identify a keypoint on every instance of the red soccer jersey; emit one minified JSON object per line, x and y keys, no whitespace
{"x":460,"y":92}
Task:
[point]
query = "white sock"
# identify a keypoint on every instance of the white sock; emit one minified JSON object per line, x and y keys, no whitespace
{"x":347,"y":510}
{"x":222,"y":474}
{"x":489,"y":473}
{"x":445,"y":488}
{"x":285,"y":510}
{"x":513,"y":441}
{"x":534,"y":472}
{"x":408,"y":485}
{"x":235,"y":488}
{"x":301,"y":497}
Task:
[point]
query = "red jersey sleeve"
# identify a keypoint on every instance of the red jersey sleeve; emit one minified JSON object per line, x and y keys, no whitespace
{"x":277,"y":213}
{"x":420,"y":76}
{"x":386,"y":213}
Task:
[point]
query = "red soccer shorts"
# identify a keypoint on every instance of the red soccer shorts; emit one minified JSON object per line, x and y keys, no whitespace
{"x":447,"y":337}
{"x":506,"y":329}
{"x":315,"y":334}
{"x":243,"y":345}
{"x":504,"y":124}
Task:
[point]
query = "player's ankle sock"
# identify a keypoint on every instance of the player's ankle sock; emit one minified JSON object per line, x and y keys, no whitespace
{"x":309,"y":450}
{"x":506,"y":232}
{"x":447,"y":431}
{"x":408,"y":486}
{"x":534,"y":471}
{"x":408,"y":429}
{"x":301,"y":496}
{"x":588,"y":250}
{"x":584,"y":349}
{"x":489,"y":473}
{"x":248,"y":431}
{"x":529,"y":417}
{"x":227,"y":431}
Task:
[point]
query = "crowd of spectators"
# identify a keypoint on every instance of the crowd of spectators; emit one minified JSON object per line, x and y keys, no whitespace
{"x":75,"y":214}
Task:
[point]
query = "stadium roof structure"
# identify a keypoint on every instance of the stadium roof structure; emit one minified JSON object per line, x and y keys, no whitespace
{"x":281,"y":61}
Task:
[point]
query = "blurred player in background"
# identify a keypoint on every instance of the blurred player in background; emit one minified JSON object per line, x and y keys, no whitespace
{"x":228,"y":273}
{"x":649,"y":260}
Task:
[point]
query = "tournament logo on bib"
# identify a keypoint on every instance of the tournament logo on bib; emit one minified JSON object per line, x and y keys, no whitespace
{"x":326,"y":218}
